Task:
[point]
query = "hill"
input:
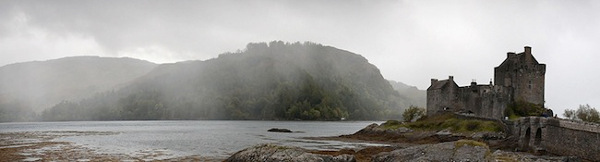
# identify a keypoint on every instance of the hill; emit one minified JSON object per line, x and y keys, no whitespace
{"x":413,"y":95}
{"x":266,"y":81}
{"x":26,"y":88}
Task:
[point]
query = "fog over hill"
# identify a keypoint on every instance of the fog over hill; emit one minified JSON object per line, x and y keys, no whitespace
{"x":266,"y":81}
{"x":415,"y":96}
{"x":35,"y":86}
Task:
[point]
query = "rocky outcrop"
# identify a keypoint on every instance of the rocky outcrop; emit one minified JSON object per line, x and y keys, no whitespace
{"x":274,"y":153}
{"x":525,"y":157}
{"x":488,"y":136}
{"x":377,"y":129}
{"x":462,"y":150}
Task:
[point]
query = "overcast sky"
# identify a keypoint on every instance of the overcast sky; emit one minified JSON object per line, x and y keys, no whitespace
{"x":410,"y":41}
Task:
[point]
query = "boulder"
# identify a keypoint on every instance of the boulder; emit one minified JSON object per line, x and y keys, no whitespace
{"x":445,"y":132}
{"x":275,"y":153}
{"x":279,"y":130}
{"x":462,"y":150}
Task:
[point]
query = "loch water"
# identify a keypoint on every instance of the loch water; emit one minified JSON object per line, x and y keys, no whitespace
{"x":206,"y":138}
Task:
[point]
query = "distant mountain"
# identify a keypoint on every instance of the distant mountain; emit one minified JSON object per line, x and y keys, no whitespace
{"x":274,"y":81}
{"x":414,"y":96}
{"x":35,"y":86}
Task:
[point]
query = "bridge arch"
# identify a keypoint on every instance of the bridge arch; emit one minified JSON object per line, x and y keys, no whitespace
{"x":527,"y":138}
{"x":538,"y":137}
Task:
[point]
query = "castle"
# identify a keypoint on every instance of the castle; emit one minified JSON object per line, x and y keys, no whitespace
{"x":519,"y":78}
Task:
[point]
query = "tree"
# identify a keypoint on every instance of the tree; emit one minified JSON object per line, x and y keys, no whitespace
{"x":584,"y":113}
{"x":570,"y":114}
{"x":413,"y":113}
{"x":587,"y":113}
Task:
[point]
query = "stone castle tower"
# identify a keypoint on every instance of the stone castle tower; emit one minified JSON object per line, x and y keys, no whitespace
{"x":524,"y":74}
{"x":519,"y":77}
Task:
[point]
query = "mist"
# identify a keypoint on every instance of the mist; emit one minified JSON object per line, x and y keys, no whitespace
{"x":408,"y":41}
{"x":265,"y":81}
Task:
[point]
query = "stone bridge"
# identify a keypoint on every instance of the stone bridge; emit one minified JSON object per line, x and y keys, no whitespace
{"x":558,"y":136}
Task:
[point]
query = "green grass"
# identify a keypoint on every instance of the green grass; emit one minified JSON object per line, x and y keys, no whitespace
{"x":443,"y":121}
{"x":392,"y":124}
{"x":461,"y":143}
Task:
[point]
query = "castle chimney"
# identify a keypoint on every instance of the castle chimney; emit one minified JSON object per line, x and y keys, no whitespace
{"x":510,"y":54}
{"x":433,"y":81}
{"x":451,"y":78}
{"x":527,"y":50}
{"x":473,"y":82}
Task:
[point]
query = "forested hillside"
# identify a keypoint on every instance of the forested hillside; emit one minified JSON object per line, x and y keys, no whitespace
{"x":28,"y":88}
{"x":266,"y":81}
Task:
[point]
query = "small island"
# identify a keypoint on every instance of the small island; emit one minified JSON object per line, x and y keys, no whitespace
{"x":280,"y":130}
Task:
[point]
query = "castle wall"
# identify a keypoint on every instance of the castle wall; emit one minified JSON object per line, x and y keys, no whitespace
{"x":528,"y":81}
{"x":435,"y":98}
{"x":502,"y":100}
{"x":530,"y":87}
{"x":438,"y":99}
{"x":484,"y":100}
{"x":481,"y":100}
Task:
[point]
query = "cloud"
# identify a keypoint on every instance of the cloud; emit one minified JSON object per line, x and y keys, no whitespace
{"x":22,"y":42}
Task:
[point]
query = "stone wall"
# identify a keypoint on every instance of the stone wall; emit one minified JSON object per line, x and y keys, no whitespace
{"x":488,"y":101}
{"x":572,"y":138}
{"x":561,"y":137}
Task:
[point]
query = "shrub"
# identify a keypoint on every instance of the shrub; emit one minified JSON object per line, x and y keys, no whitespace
{"x":523,"y":108}
{"x":413,"y":113}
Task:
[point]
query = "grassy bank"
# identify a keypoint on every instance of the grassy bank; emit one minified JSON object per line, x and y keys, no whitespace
{"x":444,"y":121}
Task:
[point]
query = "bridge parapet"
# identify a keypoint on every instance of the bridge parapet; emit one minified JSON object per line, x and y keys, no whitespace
{"x":559,"y":136}
{"x":580,"y":125}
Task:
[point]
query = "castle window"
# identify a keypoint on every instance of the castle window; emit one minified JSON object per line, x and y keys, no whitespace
{"x":529,"y":84}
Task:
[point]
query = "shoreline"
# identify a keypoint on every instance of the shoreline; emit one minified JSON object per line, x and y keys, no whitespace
{"x":404,"y":144}
{"x":179,"y":140}
{"x":46,"y":146}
